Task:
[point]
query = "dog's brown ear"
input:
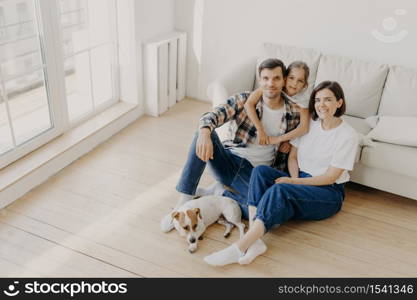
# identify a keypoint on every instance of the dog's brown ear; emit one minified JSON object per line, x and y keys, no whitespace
{"x":197,"y":213}
{"x":175,"y":215}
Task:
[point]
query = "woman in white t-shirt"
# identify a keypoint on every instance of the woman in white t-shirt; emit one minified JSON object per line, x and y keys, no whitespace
{"x":318,"y":165}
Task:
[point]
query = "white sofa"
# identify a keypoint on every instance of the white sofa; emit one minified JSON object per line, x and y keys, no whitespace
{"x":371,"y":89}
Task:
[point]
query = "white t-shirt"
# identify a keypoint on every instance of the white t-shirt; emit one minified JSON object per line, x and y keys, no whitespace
{"x":319,"y":149}
{"x":263,"y":154}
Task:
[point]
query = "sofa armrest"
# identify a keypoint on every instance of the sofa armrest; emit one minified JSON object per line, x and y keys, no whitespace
{"x":239,"y":79}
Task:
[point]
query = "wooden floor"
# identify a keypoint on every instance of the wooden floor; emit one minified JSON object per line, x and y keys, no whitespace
{"x":100,"y":217}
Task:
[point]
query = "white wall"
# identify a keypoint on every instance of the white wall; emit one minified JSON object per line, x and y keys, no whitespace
{"x":154,"y":17}
{"x":189,"y":18}
{"x":235,"y":29}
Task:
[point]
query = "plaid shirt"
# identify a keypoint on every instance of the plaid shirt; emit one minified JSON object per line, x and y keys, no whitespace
{"x":242,"y":131}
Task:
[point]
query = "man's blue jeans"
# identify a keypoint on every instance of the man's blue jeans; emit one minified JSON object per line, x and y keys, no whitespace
{"x":227,"y":168}
{"x":277,"y":203}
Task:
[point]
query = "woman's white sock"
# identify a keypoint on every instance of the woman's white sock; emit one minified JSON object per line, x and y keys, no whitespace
{"x":226,"y":256}
{"x":253,"y":251}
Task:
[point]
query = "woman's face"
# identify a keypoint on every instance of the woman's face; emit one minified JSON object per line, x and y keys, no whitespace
{"x":295,"y":81}
{"x":326,"y":104}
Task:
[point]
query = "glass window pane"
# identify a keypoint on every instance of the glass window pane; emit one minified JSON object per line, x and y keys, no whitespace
{"x":3,"y":32}
{"x":6,"y":142}
{"x":101,"y":64}
{"x":100,"y":30}
{"x":20,"y":57}
{"x":19,"y":43}
{"x":88,"y":41}
{"x":85,"y":24}
{"x":28,"y":104}
{"x":77,"y":83}
{"x":73,"y":19}
{"x":22,"y":74}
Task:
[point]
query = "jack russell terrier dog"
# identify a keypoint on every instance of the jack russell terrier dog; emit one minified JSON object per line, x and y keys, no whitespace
{"x":194,"y":216}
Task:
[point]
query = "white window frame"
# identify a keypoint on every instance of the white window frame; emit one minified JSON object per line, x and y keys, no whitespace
{"x":50,"y":37}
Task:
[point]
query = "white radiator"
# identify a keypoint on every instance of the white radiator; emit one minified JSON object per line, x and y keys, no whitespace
{"x":164,"y":72}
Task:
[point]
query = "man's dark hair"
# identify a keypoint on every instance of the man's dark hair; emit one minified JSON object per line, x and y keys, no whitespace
{"x":272,"y":63}
{"x":336,"y":90}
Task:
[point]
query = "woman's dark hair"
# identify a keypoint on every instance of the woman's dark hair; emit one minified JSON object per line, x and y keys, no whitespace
{"x":272,"y":63}
{"x":299,"y":65}
{"x":336,"y":90}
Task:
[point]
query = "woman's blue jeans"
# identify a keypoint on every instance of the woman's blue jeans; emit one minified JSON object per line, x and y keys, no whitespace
{"x":277,"y":203}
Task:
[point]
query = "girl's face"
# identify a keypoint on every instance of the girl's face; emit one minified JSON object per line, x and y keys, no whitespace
{"x":295,"y":81}
{"x":326,"y":104}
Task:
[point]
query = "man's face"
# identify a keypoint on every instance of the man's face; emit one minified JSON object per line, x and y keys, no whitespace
{"x":272,"y":81}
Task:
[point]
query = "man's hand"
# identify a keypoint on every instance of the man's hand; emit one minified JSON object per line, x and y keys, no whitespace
{"x":262,"y":137}
{"x":285,"y":147}
{"x":204,"y":146}
{"x":284,"y":180}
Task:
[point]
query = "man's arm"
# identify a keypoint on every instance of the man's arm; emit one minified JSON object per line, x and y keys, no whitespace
{"x":223,"y":113}
{"x":204,"y":145}
{"x":211,"y":120}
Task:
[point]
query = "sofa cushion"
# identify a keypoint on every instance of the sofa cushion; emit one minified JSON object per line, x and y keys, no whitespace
{"x":361,"y":81}
{"x":359,"y":124}
{"x":392,"y":158}
{"x":399,"y":97}
{"x":395,"y":130}
{"x":288,"y":54}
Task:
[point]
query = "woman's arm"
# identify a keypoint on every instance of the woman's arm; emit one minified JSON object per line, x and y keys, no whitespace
{"x":301,"y":129}
{"x":293,"y":163}
{"x":327,"y":178}
{"x":250,"y":107}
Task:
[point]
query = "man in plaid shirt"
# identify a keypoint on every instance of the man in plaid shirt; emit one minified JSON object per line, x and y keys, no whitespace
{"x":232,"y":161}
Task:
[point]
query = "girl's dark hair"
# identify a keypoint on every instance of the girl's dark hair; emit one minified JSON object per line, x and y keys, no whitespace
{"x":336,"y":90}
{"x":301,"y":65}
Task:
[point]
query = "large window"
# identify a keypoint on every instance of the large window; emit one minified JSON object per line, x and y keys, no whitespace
{"x":58,"y":63}
{"x":89,"y":53}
